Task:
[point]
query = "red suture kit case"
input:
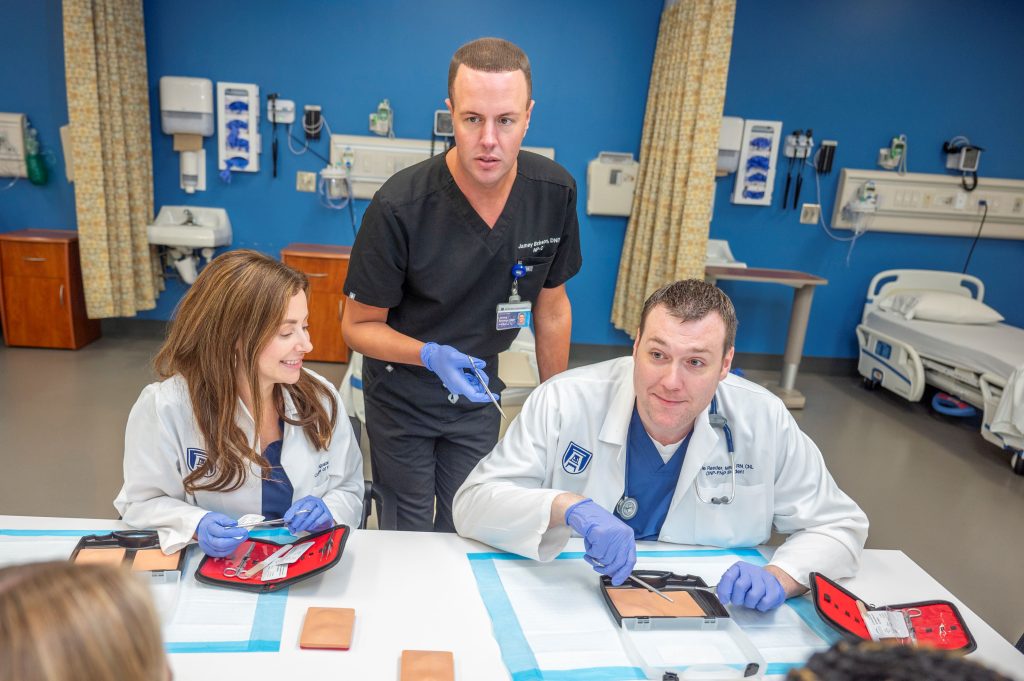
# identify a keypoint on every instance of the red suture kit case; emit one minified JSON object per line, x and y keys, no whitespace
{"x":325,"y":553}
{"x":934,"y":623}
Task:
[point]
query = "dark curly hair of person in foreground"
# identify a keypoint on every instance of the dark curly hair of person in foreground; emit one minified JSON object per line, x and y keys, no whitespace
{"x":889,"y":662}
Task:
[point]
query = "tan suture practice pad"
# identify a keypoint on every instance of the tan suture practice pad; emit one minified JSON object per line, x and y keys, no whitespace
{"x":643,"y":603}
{"x":149,"y":560}
{"x":328,"y":628}
{"x":100,"y":556}
{"x":427,"y":665}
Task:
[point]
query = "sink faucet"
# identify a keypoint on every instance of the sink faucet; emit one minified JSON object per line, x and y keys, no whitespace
{"x":189,"y":218}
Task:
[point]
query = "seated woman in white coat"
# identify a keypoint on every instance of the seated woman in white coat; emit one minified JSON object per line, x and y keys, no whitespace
{"x":666,"y":445}
{"x":238,"y":426}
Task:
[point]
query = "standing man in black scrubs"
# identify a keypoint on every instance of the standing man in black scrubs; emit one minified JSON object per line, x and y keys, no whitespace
{"x":454,"y":256}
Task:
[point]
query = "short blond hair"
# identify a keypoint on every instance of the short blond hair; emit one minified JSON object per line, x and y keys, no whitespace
{"x":65,"y":622}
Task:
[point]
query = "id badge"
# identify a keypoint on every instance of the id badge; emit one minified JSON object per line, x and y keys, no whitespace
{"x":513,"y":315}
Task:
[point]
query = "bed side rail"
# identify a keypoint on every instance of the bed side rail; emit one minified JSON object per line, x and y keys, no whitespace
{"x":891,"y":363}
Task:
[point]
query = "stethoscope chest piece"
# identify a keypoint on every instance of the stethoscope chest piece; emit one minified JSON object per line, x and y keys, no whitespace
{"x":627,"y":508}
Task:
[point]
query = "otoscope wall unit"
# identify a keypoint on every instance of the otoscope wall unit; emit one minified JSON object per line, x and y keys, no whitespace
{"x":238,"y":129}
{"x":927,"y":203}
{"x":759,"y":150}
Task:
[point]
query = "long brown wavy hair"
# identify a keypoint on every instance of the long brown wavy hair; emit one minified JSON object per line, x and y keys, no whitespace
{"x":228,"y":316}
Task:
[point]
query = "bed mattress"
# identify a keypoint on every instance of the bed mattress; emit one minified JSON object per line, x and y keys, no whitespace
{"x":995,"y":348}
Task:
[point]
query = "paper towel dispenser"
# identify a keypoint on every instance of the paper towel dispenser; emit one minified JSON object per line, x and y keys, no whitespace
{"x":186,"y":111}
{"x":730,"y":138}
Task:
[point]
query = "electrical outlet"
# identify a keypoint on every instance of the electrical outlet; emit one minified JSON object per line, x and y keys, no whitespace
{"x":305,"y":182}
{"x":809,"y":213}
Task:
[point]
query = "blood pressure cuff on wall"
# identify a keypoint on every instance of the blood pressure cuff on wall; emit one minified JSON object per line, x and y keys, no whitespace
{"x":937,"y":624}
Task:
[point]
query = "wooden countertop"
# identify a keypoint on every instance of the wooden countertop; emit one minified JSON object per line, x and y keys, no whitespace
{"x":318,"y":251}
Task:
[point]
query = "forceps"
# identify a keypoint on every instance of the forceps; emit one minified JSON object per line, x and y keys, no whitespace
{"x":233,"y":570}
{"x":483,"y":384}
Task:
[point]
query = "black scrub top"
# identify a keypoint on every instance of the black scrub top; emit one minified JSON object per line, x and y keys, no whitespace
{"x":424,"y":253}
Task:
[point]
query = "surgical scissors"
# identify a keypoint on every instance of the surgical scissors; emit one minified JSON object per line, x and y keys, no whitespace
{"x":233,"y":570}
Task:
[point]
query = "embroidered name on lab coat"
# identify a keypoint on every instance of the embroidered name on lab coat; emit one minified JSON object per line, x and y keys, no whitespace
{"x":741,"y":468}
{"x":576,"y":459}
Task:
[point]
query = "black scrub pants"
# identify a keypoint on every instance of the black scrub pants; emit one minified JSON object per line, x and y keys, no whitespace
{"x":422,"y":446}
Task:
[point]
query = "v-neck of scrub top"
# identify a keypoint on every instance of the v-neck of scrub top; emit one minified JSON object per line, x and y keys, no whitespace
{"x":277,"y":488}
{"x":476,"y":225}
{"x":651,"y":480}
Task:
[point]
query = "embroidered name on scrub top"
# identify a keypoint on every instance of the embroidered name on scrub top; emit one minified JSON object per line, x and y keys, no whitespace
{"x":651,"y":480}
{"x":277,"y":488}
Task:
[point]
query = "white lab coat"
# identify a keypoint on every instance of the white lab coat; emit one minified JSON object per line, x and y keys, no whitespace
{"x":161,"y":431}
{"x":781,"y":477}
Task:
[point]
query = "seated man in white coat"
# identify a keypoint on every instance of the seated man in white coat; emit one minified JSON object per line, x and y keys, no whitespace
{"x":666,"y":445}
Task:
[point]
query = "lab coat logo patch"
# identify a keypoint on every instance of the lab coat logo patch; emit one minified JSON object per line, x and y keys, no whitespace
{"x":194,"y":458}
{"x":576,"y":459}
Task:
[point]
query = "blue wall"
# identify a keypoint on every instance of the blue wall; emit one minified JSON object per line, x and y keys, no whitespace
{"x":32,"y":82}
{"x":858,"y":72}
{"x":591,"y":64}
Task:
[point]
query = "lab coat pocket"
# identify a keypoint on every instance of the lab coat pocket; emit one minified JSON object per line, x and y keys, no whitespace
{"x":744,"y":522}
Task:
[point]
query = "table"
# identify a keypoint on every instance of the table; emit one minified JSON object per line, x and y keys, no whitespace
{"x":417,"y":591}
{"x":803,"y":292}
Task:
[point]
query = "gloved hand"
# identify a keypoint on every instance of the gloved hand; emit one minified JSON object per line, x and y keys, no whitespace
{"x":610,"y":543}
{"x":456,"y":371}
{"x":308,"y":514}
{"x":750,"y":586}
{"x":218,"y":535}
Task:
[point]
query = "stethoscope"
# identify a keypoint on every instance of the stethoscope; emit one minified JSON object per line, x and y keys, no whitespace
{"x":718,"y":421}
{"x":627,"y":507}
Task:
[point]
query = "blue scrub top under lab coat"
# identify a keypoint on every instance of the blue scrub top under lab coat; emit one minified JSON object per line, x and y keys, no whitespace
{"x":277,"y":489}
{"x":649,"y":479}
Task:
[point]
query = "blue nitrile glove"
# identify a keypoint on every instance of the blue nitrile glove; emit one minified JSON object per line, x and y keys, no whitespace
{"x":610,"y":543}
{"x":308,"y":514}
{"x":456,"y":371}
{"x":750,"y":586}
{"x":218,"y":535}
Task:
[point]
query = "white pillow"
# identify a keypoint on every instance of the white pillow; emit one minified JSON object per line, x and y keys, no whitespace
{"x":939,"y":306}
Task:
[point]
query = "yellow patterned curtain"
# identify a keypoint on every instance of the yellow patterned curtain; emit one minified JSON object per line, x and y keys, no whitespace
{"x":108,"y":107}
{"x":668,"y":228}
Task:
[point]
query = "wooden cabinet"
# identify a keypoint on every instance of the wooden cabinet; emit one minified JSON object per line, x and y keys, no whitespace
{"x":326,"y":267}
{"x":42,"y":304}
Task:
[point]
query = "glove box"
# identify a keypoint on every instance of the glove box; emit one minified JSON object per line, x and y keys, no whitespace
{"x":692,"y":634}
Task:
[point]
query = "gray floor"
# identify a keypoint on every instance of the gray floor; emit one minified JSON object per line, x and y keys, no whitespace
{"x":930,"y":486}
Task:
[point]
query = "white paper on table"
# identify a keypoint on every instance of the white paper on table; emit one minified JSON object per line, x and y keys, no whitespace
{"x":208,"y":613}
{"x":563,"y":617}
{"x":18,"y":550}
{"x":780,"y":635}
{"x":568,"y":625}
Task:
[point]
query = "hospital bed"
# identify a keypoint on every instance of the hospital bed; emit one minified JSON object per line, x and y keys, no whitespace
{"x":979,"y":363}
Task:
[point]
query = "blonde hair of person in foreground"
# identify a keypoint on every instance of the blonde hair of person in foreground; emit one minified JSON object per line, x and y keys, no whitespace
{"x":60,"y":621}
